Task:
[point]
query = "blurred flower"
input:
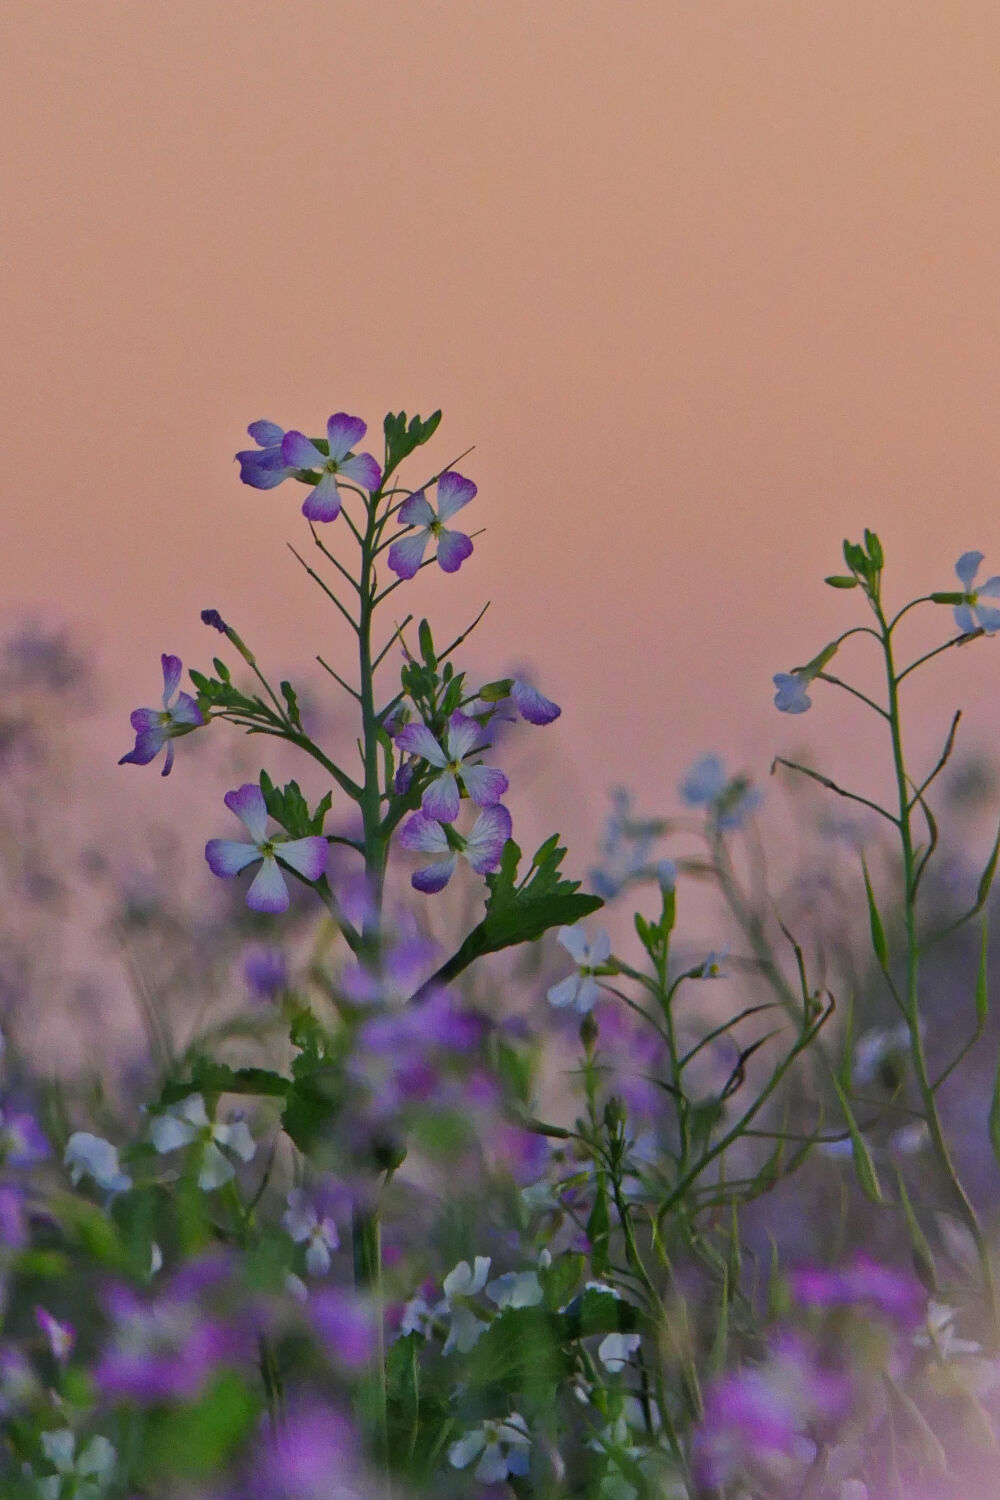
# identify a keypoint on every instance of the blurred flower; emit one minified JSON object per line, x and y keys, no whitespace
{"x":186,"y":1123}
{"x":347,"y":1326}
{"x":730,"y":801}
{"x":61,"y":1336}
{"x":313,"y":1456}
{"x":165,"y":1347}
{"x":305,"y":1226}
{"x":441,"y":799}
{"x":862,"y":1282}
{"x":791,"y":697}
{"x":342,"y":432}
{"x":972,"y":615}
{"x":264,"y":467}
{"x":713,"y":967}
{"x":392,"y":977}
{"x":502,"y":1448}
{"x":483,"y":847}
{"x":156,"y":727}
{"x":22,"y":1140}
{"x":266,"y":971}
{"x":580,"y":989}
{"x":85,"y":1476}
{"x":938,"y":1333}
{"x":95,"y":1157}
{"x":453,"y":547}
{"x":268,"y":891}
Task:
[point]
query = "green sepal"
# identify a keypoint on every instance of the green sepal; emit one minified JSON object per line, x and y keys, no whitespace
{"x":495,"y":692}
{"x":948,"y":598}
{"x":841,"y":581}
{"x":426,"y":641}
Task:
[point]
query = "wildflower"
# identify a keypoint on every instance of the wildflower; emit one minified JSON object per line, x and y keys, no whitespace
{"x":268,"y":891}
{"x":390,"y":978}
{"x":453,"y":547}
{"x":214,"y":619}
{"x":22,"y":1140}
{"x":972,"y":615}
{"x":939,"y":1335}
{"x":862,"y":1282}
{"x":531,"y":704}
{"x":13,"y":1218}
{"x":580,"y":989}
{"x":462,"y":1282}
{"x":306,"y":1227}
{"x":483,"y":847}
{"x":313,"y":1456}
{"x":441,"y":799}
{"x":712,"y":968}
{"x":187,"y":1123}
{"x":347,"y":1326}
{"x":615,"y":1350}
{"x":791,"y":697}
{"x":89,"y":1474}
{"x":342,"y":432}
{"x":92,"y":1156}
{"x":515,"y":1289}
{"x":264,"y":467}
{"x":165,"y":1347}
{"x":60,"y":1336}
{"x":266,"y":971}
{"x":156,"y":727}
{"x":501,"y":1447}
{"x":729,"y":801}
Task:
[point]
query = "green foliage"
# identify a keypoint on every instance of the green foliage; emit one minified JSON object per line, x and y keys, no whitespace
{"x":192,"y":1441}
{"x":401,"y":439}
{"x":288,"y":807}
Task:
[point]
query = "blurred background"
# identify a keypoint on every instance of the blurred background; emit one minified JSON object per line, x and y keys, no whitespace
{"x":709,"y":288}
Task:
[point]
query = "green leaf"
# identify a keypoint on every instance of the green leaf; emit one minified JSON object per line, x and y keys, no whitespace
{"x":401,"y":440}
{"x":863,"y":1164}
{"x":874,"y":549}
{"x":598,"y":1311}
{"x":312,"y":1106}
{"x":923,"y":1259}
{"x":982,"y":984}
{"x":426,"y":641}
{"x":560,"y":1279}
{"x":522,"y":1351}
{"x":291,"y":699}
{"x":599,"y":1229}
{"x":195,"y":1440}
{"x":986,"y":879}
{"x":879,"y":943}
{"x":208,"y":1077}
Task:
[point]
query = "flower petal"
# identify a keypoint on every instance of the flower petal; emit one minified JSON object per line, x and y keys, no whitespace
{"x":988,"y":617}
{"x":967,"y":567}
{"x":574,"y":940}
{"x":307,"y":856}
{"x":247,"y":802}
{"x":453,"y":548}
{"x":441,"y":799}
{"x":490,"y":832}
{"x":172,"y":668}
{"x":148,"y":744}
{"x":229,"y":856}
{"x":991,"y":588}
{"x":268,"y":892}
{"x":406,"y":555}
{"x":168,"y":1133}
{"x":417,"y":739}
{"x":423,"y":835}
{"x":216,"y":1169}
{"x":461,"y":1454}
{"x":484,"y":784}
{"x":416,"y":510}
{"x":963,"y":619}
{"x":564,"y":993}
{"x":454,"y":491}
{"x":323,"y":501}
{"x":600,"y":948}
{"x":362,"y":469}
{"x":263,"y":468}
{"x":432,"y":878}
{"x":463,"y":734}
{"x":186,"y":711}
{"x":299,"y":453}
{"x":344,"y":433}
{"x":266,"y":434}
{"x":533,"y":705}
{"x":238,"y":1138}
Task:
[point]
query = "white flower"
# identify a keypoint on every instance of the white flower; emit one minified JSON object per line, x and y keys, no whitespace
{"x":305,"y":1225}
{"x":418,"y":1317}
{"x":186,"y":1122}
{"x":92,"y":1470}
{"x":516,"y":1289}
{"x":464,"y":1281}
{"x":91,"y":1155}
{"x":615,"y":1350}
{"x":939,"y":1334}
{"x":580,"y":989}
{"x":501,"y":1447}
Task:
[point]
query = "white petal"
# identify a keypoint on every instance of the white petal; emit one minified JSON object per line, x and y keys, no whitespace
{"x":574,"y":940}
{"x":467,"y":1448}
{"x":168,"y":1133}
{"x":215,"y":1169}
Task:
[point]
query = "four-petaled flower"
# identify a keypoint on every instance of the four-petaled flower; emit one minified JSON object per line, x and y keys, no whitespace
{"x":464,"y":1281}
{"x":342,"y":433}
{"x":442,"y":799}
{"x":580,"y":989}
{"x":88,"y":1473}
{"x":93,"y":1156}
{"x":306,"y":1227}
{"x":453,"y":547}
{"x":972,"y":615}
{"x":268,"y":891}
{"x":156,"y":727}
{"x":264,"y":467}
{"x":187,"y":1122}
{"x":791,"y":696}
{"x":483,"y":847}
{"x":501,"y":1447}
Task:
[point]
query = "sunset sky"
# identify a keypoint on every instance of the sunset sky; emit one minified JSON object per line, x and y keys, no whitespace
{"x":709,"y":286}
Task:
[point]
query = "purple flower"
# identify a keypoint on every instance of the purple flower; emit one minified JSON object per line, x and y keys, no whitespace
{"x":483,"y":848}
{"x":266,"y":971}
{"x":22,"y":1141}
{"x":268,"y":892}
{"x":161,"y":1349}
{"x":342,"y":433}
{"x":346,"y":1326}
{"x":13,"y":1219}
{"x":453,"y":547}
{"x":791,"y":697}
{"x":531,"y":705}
{"x":156,"y":727}
{"x":314,"y":1457}
{"x":60,"y":1336}
{"x":442,"y":799}
{"x":393,"y":978}
{"x":213,"y":618}
{"x":264,"y":467}
{"x":972,"y":615}
{"x":863,"y":1282}
{"x":305,"y":1226}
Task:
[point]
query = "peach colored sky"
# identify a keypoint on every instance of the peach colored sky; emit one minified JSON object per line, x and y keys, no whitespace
{"x":708,"y":285}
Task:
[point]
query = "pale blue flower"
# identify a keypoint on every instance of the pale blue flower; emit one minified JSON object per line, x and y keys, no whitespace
{"x":972,"y":615}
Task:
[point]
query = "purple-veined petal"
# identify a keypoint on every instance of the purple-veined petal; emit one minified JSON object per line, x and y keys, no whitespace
{"x":186,"y":710}
{"x":299,"y":453}
{"x":441,"y":799}
{"x":307,"y":856}
{"x":574,"y":940}
{"x":532,"y":705}
{"x":268,"y":891}
{"x":463,"y":734}
{"x":454,"y":491}
{"x":148,"y":744}
{"x":453,"y":548}
{"x":967,"y":567}
{"x":323,"y":501}
{"x":417,"y":739}
{"x":343,"y":433}
{"x":144,"y":719}
{"x":266,"y":434}
{"x":228,"y":857}
{"x":963,"y":618}
{"x":168,"y":759}
{"x":484,"y":784}
{"x":263,"y":468}
{"x":172,"y":668}
{"x":564,"y":993}
{"x":406,"y":555}
{"x":423,"y":835}
{"x":432,"y":878}
{"x":415,"y":510}
{"x":362,"y":469}
{"x":988,"y":617}
{"x":247,"y":802}
{"x":490,"y":832}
